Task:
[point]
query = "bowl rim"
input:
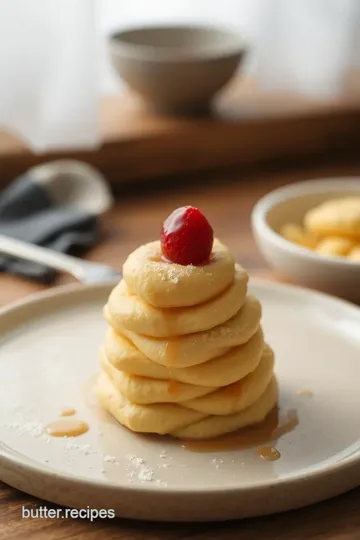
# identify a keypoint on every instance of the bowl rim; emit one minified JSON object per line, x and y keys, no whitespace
{"x":159,"y":54}
{"x":291,"y":191}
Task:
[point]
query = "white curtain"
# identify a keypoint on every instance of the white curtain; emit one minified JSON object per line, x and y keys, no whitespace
{"x":49,"y":85}
{"x":54,"y":67}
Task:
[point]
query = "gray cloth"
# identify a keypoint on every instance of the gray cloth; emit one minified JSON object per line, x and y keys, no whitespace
{"x":28,"y":213}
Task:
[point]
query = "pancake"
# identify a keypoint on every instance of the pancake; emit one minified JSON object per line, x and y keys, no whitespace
{"x":166,"y":285}
{"x":214,"y":426}
{"x":194,"y":349}
{"x":144,"y":390}
{"x":127,"y":311}
{"x":235,"y":364}
{"x":173,"y":419}
{"x":239,"y":395}
{"x":161,"y":418}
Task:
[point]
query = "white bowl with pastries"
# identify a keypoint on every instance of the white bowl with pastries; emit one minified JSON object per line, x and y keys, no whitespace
{"x":309,"y":233}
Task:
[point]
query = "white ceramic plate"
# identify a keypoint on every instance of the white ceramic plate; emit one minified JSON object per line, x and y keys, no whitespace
{"x":48,"y":359}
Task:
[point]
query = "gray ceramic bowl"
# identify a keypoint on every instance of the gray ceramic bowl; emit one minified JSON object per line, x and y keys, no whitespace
{"x":176,"y":68}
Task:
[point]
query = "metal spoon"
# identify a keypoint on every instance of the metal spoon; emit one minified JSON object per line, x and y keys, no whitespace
{"x":84,"y":271}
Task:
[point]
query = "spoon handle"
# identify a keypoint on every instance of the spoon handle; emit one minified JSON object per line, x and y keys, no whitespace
{"x":84,"y":271}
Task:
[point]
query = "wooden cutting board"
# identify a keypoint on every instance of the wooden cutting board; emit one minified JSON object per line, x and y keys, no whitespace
{"x":246,"y":125}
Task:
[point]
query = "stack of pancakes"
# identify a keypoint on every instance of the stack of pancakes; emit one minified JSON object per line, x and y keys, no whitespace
{"x":184,"y":353}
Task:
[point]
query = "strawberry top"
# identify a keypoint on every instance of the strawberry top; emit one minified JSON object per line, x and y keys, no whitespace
{"x":187,"y":237}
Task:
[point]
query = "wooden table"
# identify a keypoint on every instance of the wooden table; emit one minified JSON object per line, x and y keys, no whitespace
{"x":227,"y":200}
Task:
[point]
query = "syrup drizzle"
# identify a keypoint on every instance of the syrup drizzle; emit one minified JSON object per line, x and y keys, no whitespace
{"x":155,"y":258}
{"x":158,"y":257}
{"x":234,"y":389}
{"x":172,"y":344}
{"x":274,"y":426}
{"x":172,"y":348}
{"x":174,"y":388}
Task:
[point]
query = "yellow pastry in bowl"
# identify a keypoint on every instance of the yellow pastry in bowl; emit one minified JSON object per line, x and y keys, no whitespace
{"x":297,"y":234}
{"x":335,"y":246}
{"x":336,"y":217}
{"x":331,"y":229}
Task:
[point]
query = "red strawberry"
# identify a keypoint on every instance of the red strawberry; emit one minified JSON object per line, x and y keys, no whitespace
{"x":187,"y":237}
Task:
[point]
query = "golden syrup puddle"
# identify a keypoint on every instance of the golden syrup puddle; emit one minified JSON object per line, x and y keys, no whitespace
{"x":67,"y":412}
{"x":269,"y":453}
{"x":66,"y":427}
{"x":275,"y":425}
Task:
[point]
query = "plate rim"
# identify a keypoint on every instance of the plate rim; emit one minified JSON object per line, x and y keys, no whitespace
{"x":12,"y":458}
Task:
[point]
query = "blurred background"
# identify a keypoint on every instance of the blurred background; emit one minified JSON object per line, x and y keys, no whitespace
{"x":232,"y":99}
{"x":55,"y":67}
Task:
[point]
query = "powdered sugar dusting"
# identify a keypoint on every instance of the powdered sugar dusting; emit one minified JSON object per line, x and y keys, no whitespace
{"x":146,"y":474}
{"x":110,"y":459}
{"x":141,"y":471}
{"x":169,"y":272}
{"x":136,"y":467}
{"x":84,"y":449}
{"x":217,"y":462}
{"x":32,"y":428}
